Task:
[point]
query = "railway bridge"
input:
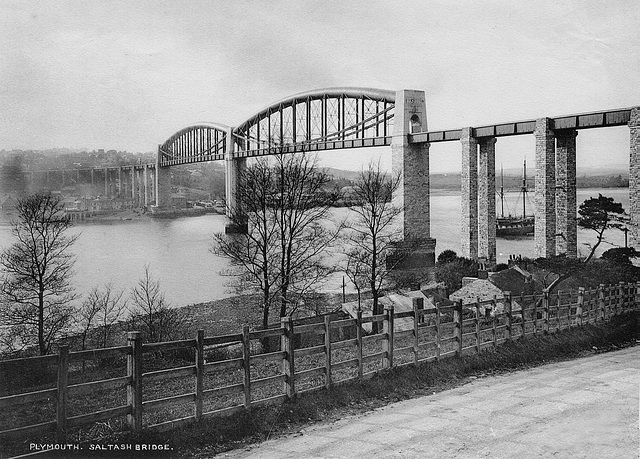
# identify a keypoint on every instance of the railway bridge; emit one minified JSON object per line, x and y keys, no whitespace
{"x":343,"y":118}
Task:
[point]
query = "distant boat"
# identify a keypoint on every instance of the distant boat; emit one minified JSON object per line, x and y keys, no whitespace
{"x":520,"y":225}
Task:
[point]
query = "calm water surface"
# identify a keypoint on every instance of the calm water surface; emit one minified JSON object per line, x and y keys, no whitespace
{"x":177,"y":250}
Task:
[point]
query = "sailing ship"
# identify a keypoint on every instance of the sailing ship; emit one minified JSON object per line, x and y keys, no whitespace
{"x":520,"y":225}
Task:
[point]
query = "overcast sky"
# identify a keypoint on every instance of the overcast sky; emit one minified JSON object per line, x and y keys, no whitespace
{"x":126,"y":75}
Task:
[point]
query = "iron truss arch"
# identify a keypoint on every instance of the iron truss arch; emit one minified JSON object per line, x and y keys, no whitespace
{"x":324,"y":119}
{"x":197,"y":143}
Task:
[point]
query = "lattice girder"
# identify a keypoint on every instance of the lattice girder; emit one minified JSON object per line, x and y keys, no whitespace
{"x":319,"y":120}
{"x":193,"y":144}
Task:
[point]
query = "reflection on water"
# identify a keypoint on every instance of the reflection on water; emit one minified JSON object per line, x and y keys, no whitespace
{"x":177,"y":251}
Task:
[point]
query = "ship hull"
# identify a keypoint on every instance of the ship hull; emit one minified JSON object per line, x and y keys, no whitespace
{"x":514,"y":226}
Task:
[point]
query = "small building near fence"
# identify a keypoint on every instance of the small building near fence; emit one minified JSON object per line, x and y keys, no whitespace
{"x":515,"y":280}
{"x":401,"y":302}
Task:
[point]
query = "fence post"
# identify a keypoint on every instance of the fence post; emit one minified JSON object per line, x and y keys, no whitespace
{"x":523,"y":315}
{"x":199,"y":373}
{"x":494,"y":322}
{"x":580,"y":305}
{"x":359,"y":339}
{"x":134,"y":389}
{"x":457,"y":318}
{"x":327,"y":350}
{"x":246,"y":366}
{"x":62,"y":392}
{"x":477,"y":326}
{"x":621,"y":298}
{"x":535,"y":315}
{"x":387,"y":330}
{"x":507,"y":306}
{"x":601,"y":303}
{"x":545,"y":308}
{"x":438,"y":331}
{"x":559,"y":311}
{"x":418,"y":306}
{"x":286,"y":343}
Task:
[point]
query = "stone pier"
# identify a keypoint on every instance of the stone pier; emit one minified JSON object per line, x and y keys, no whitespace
{"x":162,"y":184}
{"x":487,"y":201}
{"x":469,"y":194}
{"x":134,"y":184}
{"x":634,"y":178}
{"x":233,"y":170}
{"x":545,"y":190}
{"x":415,"y":255}
{"x":567,"y":236}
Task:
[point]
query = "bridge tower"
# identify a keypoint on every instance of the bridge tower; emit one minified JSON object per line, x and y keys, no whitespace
{"x":415,"y":255}
{"x":233,"y":169}
{"x":634,"y":177}
{"x":162,"y":183}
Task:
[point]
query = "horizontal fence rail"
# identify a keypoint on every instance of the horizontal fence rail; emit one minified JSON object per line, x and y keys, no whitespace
{"x":269,"y":366}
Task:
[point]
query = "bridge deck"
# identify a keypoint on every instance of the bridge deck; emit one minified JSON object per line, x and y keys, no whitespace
{"x":607,"y":118}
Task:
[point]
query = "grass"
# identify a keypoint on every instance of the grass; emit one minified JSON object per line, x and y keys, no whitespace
{"x":214,"y":436}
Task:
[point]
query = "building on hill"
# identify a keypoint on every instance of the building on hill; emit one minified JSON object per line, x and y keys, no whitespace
{"x":514,"y":280}
{"x":8,"y":203}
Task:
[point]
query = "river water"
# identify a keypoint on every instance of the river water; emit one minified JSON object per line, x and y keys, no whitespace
{"x":177,"y":250}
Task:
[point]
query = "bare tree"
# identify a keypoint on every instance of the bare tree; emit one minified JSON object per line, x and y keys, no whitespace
{"x":36,"y":273}
{"x":372,"y":232}
{"x":151,"y":314}
{"x":97,"y":314}
{"x":284,"y":204}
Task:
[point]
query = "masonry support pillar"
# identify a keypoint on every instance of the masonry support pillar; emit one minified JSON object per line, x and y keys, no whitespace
{"x":469,"y":194}
{"x":134,"y":195}
{"x":545,"y":199}
{"x":120,"y":182}
{"x":145,"y":185}
{"x":634,"y":177}
{"x":141,"y":179}
{"x":414,"y":257}
{"x":487,"y":201}
{"x":106,"y":182}
{"x":233,"y":171}
{"x":163,"y":183}
{"x":567,"y":240}
{"x":92,"y":180}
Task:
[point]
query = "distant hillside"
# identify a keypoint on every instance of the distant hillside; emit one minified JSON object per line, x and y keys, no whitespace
{"x":587,"y":178}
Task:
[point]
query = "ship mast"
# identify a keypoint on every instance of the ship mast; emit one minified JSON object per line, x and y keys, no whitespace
{"x":501,"y":192}
{"x":524,"y":190}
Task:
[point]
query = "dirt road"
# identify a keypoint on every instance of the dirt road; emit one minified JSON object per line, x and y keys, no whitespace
{"x":584,"y":408}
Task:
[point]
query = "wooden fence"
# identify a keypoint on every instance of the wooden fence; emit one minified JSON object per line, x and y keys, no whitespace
{"x":310,"y":357}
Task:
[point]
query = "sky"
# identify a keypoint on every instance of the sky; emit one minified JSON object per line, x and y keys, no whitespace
{"x":127,"y":75}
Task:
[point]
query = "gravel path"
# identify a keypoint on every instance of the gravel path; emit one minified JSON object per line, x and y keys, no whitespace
{"x":584,"y":408}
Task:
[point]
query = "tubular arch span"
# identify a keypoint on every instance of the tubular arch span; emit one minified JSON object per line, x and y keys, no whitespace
{"x":197,"y":143}
{"x":323,"y":119}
